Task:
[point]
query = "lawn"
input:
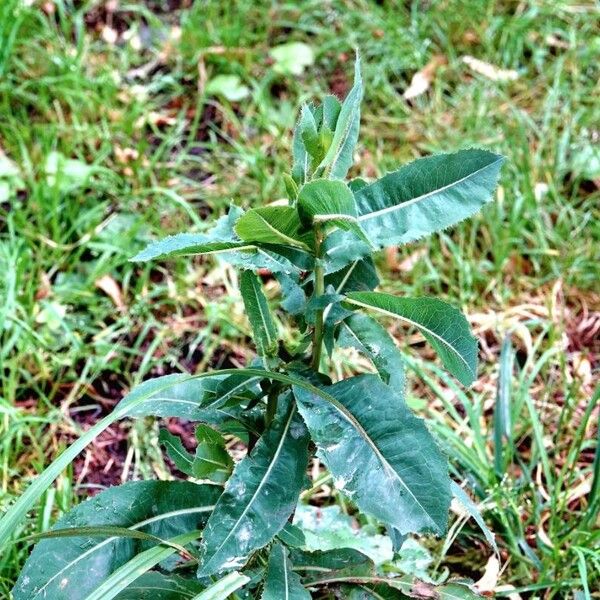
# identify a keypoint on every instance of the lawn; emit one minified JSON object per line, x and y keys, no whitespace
{"x":124,"y":122}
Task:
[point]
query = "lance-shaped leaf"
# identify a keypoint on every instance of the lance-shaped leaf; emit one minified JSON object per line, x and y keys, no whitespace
{"x":378,"y":587}
{"x":427,"y":195}
{"x":379,"y":453}
{"x":259,"y":315}
{"x":260,"y":495}
{"x":220,"y":238}
{"x":442,"y":325}
{"x":72,"y":567}
{"x":338,"y":159}
{"x":153,"y":585}
{"x":370,"y":338}
{"x":305,"y":127}
{"x":281,"y":582}
{"x":273,"y":225}
{"x":183,"y":244}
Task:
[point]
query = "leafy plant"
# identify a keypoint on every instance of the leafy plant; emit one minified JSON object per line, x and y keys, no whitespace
{"x":135,"y":538}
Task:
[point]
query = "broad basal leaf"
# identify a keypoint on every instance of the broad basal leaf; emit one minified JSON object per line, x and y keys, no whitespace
{"x":259,"y":315}
{"x":281,"y":582}
{"x":370,"y":338}
{"x":273,"y":225}
{"x":260,"y":495}
{"x":427,"y":195}
{"x":338,"y":159}
{"x":71,"y":568}
{"x":380,"y":454}
{"x":141,"y":563}
{"x":442,"y":325}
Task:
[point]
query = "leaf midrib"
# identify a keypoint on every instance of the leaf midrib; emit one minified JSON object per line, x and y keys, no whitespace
{"x":415,"y":324}
{"x":262,"y":483}
{"x":403,"y":205}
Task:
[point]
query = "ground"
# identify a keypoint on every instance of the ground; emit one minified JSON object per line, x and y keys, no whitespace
{"x":117,"y":128}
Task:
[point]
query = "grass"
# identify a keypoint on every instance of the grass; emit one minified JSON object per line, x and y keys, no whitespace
{"x":152,"y":153}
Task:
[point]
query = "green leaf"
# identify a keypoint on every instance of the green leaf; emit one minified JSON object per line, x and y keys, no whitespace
{"x":338,"y":159}
{"x":326,"y":529}
{"x":220,"y":238}
{"x":153,"y":585}
{"x":329,"y":202}
{"x":464,"y":499}
{"x":272,"y":225}
{"x":427,"y":195}
{"x":260,"y":495}
{"x":229,"y":87}
{"x":370,"y":338}
{"x":380,"y":454}
{"x":176,"y":451}
{"x":331,"y":112}
{"x":339,"y":559}
{"x":442,"y":325}
{"x":259,"y":315}
{"x":281,"y":582}
{"x":222,"y":589}
{"x":126,"y":574}
{"x":321,"y":199}
{"x":408,"y":586}
{"x":150,"y":398}
{"x":212,"y":461}
{"x":305,"y":127}
{"x":73,"y":567}
{"x":292,"y":58}
{"x":359,"y":275}
{"x":292,"y":536}
{"x":341,"y":249}
{"x":185,"y":244}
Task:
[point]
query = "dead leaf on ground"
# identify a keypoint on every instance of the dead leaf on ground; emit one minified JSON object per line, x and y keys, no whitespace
{"x":489,"y":70}
{"x":487,"y":584}
{"x":157,"y":119}
{"x":422,"y":79}
{"x":111,"y":288}
{"x":44,"y":288}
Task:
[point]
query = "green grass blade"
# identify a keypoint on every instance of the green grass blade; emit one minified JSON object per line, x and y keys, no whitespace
{"x":137,"y":566}
{"x":223,"y":588}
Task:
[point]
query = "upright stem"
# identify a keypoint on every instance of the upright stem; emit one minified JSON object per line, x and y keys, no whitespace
{"x":319,"y":291}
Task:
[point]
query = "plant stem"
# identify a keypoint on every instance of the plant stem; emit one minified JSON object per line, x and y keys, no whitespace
{"x":271,"y":404}
{"x":319,"y":291}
